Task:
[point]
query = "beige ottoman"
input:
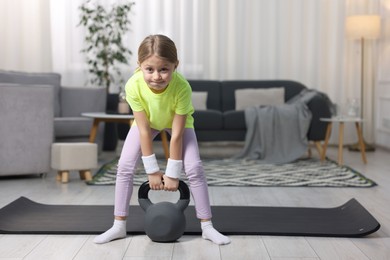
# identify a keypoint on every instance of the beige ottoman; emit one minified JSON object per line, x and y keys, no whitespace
{"x":80,"y":157}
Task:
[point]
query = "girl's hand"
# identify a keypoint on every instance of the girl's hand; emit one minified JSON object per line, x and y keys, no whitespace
{"x":155,"y":181}
{"x":170,"y":184}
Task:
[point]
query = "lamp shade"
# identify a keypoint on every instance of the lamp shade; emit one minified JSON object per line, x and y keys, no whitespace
{"x":363,"y":26}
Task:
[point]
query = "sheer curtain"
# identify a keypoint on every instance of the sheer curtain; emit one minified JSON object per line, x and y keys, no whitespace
{"x":25,"y":39}
{"x":302,"y":40}
{"x":382,"y":91}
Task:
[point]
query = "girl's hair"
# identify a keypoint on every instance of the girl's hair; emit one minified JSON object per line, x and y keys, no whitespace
{"x":159,"y":45}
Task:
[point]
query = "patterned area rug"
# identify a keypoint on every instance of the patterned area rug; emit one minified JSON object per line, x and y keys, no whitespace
{"x":304,"y":172}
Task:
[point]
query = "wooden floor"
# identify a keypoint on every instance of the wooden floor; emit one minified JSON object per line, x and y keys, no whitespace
{"x":47,"y":190}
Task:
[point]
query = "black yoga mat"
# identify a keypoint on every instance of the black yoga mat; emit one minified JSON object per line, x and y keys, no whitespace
{"x":24,"y":216}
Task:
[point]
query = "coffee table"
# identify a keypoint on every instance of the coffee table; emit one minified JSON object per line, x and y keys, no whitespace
{"x":118,"y":118}
{"x":341,"y":121}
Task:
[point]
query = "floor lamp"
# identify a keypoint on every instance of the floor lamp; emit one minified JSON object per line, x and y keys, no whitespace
{"x":362,"y":27}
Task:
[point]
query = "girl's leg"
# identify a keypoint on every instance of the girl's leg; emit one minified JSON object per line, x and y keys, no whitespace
{"x":128,"y":161}
{"x":127,"y":164}
{"x":193,"y":169}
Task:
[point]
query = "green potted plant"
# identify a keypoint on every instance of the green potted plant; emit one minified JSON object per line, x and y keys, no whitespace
{"x":105,"y":52}
{"x":104,"y":49}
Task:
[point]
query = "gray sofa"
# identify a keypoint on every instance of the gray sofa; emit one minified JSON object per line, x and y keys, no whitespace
{"x":222,"y":122}
{"x":67,"y":105}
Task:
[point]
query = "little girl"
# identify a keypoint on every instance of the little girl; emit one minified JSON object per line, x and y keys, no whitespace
{"x":161,"y":100}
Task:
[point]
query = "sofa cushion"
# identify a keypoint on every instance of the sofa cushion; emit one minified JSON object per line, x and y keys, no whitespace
{"x":213,"y":89}
{"x":25,"y":78}
{"x":76,"y":100}
{"x":234,"y":120}
{"x":228,"y":89}
{"x":210,"y":119}
{"x":199,"y":100}
{"x":72,"y":126}
{"x":249,"y":97}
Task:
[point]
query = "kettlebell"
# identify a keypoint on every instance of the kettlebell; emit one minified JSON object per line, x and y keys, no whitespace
{"x":164,"y":221}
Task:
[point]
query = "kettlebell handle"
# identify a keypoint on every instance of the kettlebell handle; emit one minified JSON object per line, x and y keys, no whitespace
{"x":183,"y":189}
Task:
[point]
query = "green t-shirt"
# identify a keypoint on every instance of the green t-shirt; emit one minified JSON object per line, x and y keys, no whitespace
{"x":161,"y":108}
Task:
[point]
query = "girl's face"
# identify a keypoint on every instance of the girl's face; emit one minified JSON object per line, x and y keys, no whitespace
{"x":157,"y":73}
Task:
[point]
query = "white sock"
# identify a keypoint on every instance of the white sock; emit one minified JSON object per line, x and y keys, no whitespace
{"x":118,"y":230}
{"x":210,"y":233}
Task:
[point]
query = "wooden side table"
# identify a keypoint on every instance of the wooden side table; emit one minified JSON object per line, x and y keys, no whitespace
{"x":341,"y":121}
{"x":118,"y":118}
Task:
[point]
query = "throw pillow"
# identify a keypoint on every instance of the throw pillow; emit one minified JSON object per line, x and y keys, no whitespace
{"x":199,"y":99}
{"x":249,"y":97}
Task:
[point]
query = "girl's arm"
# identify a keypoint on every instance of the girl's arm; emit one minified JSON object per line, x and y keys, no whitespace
{"x":176,"y":143}
{"x":176,"y":148}
{"x":155,"y":179}
{"x":145,"y":133}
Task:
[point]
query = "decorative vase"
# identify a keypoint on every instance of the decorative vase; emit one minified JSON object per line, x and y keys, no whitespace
{"x":123,"y":106}
{"x":353,"y":108}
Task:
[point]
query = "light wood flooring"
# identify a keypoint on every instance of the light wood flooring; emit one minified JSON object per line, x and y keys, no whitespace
{"x":47,"y":190}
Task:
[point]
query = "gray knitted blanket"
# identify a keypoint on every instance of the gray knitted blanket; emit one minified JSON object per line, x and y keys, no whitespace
{"x":278,"y":134}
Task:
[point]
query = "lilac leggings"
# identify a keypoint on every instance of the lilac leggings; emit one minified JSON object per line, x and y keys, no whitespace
{"x":193,"y":168}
